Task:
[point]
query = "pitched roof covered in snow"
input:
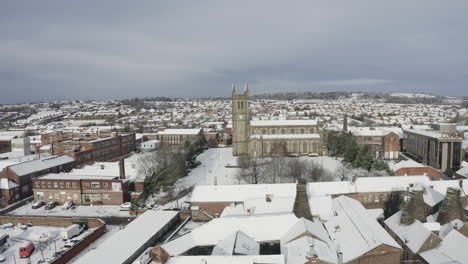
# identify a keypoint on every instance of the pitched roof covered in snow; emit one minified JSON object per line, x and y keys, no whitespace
{"x":414,"y":235}
{"x":353,"y":231}
{"x":238,"y":193}
{"x":237,"y":243}
{"x":180,"y":131}
{"x":365,"y":184}
{"x":286,"y":136}
{"x":268,"y":123}
{"x":451,"y":250}
{"x":267,"y":228}
{"x":267,"y":259}
{"x":7,"y":184}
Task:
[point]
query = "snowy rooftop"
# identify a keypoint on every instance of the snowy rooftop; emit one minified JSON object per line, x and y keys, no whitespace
{"x":365,"y":184}
{"x":68,"y":176}
{"x":415,"y":234}
{"x":286,"y":136}
{"x":405,"y":164}
{"x":270,"y":259}
{"x":190,"y":131}
{"x":234,"y":193}
{"x":354,"y":231}
{"x":463,"y":172}
{"x":434,"y":134}
{"x":122,"y":244}
{"x":7,"y":184}
{"x":28,"y":167}
{"x":260,"y":228}
{"x":450,"y":250}
{"x":267,"y":123}
{"x":369,"y":132}
{"x":110,"y":168}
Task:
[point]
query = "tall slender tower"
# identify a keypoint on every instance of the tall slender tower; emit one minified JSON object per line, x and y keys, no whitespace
{"x":240,"y":122}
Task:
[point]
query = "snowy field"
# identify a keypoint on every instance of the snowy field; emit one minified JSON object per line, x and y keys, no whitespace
{"x":213,"y":162}
{"x":45,"y":238}
{"x":213,"y":168}
{"x":81,"y":211}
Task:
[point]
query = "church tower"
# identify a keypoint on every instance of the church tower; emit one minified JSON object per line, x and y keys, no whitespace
{"x":240,"y":122}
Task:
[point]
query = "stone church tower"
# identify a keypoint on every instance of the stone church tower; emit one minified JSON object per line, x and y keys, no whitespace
{"x":240,"y":122}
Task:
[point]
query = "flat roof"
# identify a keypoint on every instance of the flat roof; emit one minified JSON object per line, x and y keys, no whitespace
{"x":68,"y":176}
{"x":119,"y":247}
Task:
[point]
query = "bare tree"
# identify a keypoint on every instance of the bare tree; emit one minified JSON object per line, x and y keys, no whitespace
{"x":275,"y":170}
{"x":296,"y":168}
{"x":315,"y":172}
{"x":251,"y":169}
{"x":343,"y":171}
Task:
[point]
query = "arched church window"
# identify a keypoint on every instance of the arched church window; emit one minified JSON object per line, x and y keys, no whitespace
{"x":304,"y":147}
{"x":295,"y":147}
{"x":292,"y":131}
{"x":273,"y":131}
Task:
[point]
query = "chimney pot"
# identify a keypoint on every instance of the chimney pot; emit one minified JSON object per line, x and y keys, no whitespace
{"x":340,"y":258}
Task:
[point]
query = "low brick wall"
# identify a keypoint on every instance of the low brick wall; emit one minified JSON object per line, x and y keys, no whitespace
{"x":80,"y":246}
{"x":50,"y":221}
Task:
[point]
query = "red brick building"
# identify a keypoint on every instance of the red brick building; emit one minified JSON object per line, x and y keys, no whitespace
{"x":22,"y":174}
{"x":80,"y":189}
{"x":382,"y":143}
{"x":88,"y":148}
{"x":413,"y":168}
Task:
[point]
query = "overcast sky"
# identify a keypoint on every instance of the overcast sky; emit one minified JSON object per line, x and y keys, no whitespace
{"x":59,"y":50}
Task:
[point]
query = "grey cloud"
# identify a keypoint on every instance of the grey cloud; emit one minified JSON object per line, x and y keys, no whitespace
{"x":56,"y":50}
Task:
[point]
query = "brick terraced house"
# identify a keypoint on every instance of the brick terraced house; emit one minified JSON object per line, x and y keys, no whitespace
{"x":80,"y":189}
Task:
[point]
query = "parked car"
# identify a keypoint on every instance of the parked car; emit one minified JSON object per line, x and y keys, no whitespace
{"x":7,"y":226}
{"x":37,"y":205}
{"x":67,"y":205}
{"x":26,"y":249}
{"x":125,"y":206}
{"x":50,"y":205}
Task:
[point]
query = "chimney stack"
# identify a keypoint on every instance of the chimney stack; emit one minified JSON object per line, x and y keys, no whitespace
{"x":122,"y":169}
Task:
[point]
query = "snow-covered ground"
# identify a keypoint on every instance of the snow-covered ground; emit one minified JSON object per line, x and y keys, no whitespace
{"x":81,"y":211}
{"x":45,"y":238}
{"x":212,"y":168}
